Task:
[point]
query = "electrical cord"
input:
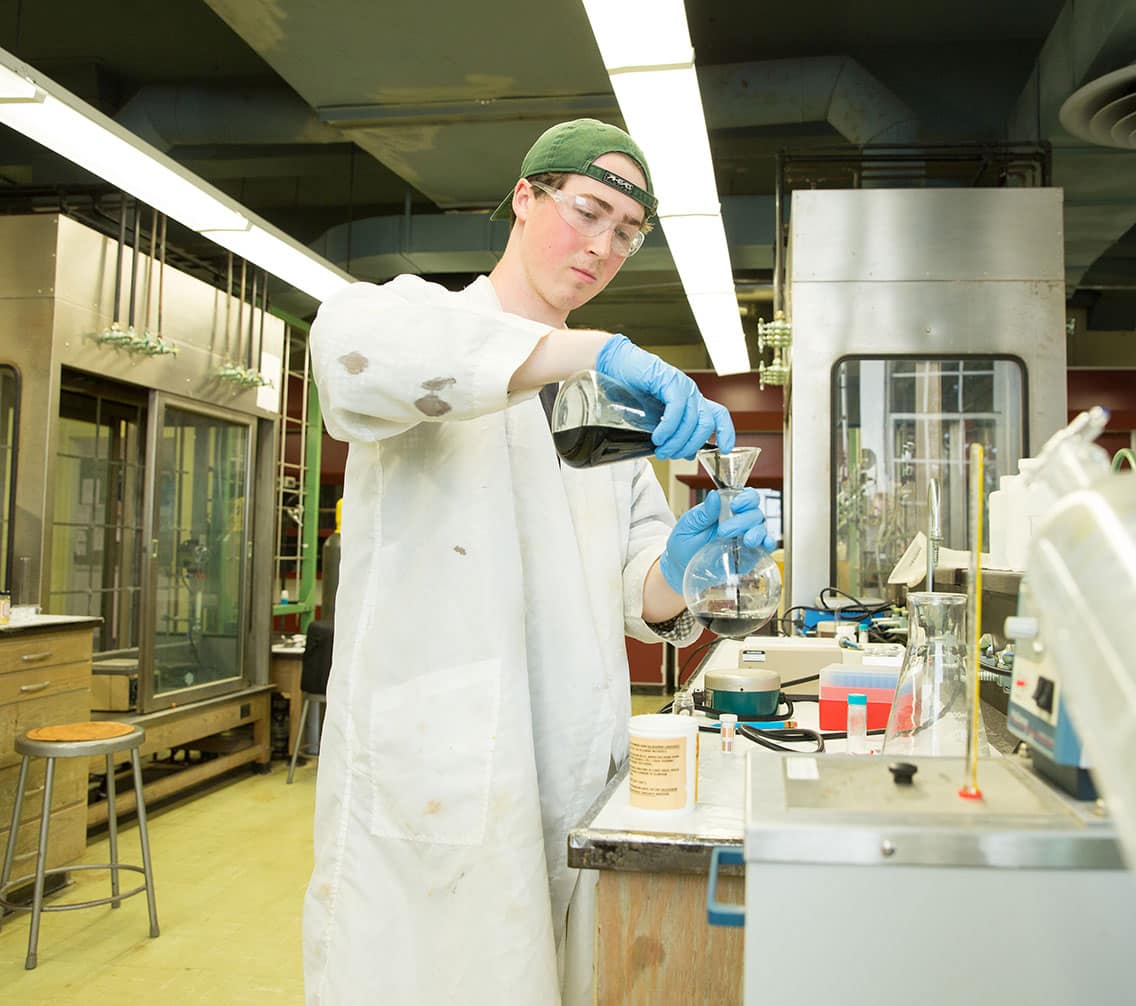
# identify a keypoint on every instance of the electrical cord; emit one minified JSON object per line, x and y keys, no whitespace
{"x":788,"y":626}
{"x":800,"y":681}
{"x":796,"y":735}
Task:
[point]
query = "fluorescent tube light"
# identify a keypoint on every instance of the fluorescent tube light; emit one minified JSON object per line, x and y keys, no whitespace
{"x":721,"y":328}
{"x":698,"y":246}
{"x":13,"y":87}
{"x":663,"y":111}
{"x":630,"y":34}
{"x":645,"y":47}
{"x":287,"y":260}
{"x":50,"y":115}
{"x":103,"y":152}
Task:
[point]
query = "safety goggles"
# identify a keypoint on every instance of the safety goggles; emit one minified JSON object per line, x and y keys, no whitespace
{"x":588,"y":216}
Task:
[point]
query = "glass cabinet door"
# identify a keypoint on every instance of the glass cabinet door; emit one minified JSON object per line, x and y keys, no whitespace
{"x":199,"y":553}
{"x":900,"y":422}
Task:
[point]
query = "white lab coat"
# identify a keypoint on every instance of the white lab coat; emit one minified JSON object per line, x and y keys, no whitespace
{"x":479,"y":690}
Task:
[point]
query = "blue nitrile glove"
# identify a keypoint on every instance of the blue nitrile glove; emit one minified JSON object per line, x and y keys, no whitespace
{"x":688,"y":418}
{"x":699,"y":526}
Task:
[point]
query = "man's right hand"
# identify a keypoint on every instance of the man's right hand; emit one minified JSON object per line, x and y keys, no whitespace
{"x":688,"y":418}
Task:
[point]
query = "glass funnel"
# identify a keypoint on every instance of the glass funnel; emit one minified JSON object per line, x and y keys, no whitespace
{"x":730,"y":588}
{"x":930,"y":713}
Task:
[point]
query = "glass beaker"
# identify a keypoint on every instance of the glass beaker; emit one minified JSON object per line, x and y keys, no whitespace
{"x":730,"y":588}
{"x":596,"y":420}
{"x":930,"y":714}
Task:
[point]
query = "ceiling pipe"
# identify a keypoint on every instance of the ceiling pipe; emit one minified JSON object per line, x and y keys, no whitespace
{"x":379,"y":248}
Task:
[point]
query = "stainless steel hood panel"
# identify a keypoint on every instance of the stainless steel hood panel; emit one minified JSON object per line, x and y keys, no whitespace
{"x":901,"y":235}
{"x":882,"y":272}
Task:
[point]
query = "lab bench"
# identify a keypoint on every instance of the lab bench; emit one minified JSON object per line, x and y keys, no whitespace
{"x":45,"y":678}
{"x":653,"y":943}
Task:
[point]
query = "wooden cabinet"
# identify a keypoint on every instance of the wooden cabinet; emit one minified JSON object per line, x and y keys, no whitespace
{"x":286,"y":668}
{"x":45,"y":677}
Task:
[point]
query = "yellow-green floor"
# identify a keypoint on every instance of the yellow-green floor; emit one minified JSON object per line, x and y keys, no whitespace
{"x":230,"y":869}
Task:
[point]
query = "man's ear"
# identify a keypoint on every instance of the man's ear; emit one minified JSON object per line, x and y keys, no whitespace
{"x":522,"y":199}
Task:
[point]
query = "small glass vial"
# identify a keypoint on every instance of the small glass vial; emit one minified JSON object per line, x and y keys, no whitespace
{"x":857,"y":723}
{"x":683,"y":703}
{"x":729,"y":728}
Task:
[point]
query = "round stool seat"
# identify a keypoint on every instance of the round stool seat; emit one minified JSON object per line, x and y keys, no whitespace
{"x":79,"y":740}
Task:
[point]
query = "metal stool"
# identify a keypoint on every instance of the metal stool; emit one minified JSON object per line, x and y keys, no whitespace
{"x":77,"y":740}
{"x":308,"y":700}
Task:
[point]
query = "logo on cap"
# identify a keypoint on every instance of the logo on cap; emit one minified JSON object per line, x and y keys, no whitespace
{"x":620,"y":183}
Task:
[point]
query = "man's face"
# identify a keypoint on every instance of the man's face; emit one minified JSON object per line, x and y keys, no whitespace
{"x":564,"y":267}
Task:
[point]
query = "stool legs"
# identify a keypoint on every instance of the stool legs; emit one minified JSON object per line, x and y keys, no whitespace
{"x":10,"y":848}
{"x":144,"y":837}
{"x":112,"y":825}
{"x":299,"y":737}
{"x":41,"y":865}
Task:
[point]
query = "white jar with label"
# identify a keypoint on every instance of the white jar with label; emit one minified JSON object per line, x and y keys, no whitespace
{"x":663,"y":762}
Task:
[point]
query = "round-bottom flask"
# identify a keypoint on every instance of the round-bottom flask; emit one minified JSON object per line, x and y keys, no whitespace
{"x":730,"y":588}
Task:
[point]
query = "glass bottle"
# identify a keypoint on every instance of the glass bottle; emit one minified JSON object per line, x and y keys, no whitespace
{"x":596,"y":420}
{"x":683,"y":703}
{"x":930,"y":713}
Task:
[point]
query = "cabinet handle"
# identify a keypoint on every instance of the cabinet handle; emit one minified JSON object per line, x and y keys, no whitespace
{"x":35,"y":658}
{"x":38,"y":687}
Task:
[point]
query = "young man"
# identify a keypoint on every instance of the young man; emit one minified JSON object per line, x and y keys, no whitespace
{"x":479,"y":696}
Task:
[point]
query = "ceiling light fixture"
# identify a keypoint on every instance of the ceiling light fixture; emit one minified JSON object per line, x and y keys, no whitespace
{"x":645,"y":48}
{"x":45,"y":112}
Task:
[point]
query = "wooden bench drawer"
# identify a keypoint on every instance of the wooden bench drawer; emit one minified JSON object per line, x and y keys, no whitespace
{"x":70,"y":786}
{"x":66,"y":841}
{"x":16,"y":717}
{"x":46,"y":649}
{"x":42,"y":682}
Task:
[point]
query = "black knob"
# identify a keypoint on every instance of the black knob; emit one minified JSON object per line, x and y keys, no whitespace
{"x":902,"y":772}
{"x":1043,"y":694}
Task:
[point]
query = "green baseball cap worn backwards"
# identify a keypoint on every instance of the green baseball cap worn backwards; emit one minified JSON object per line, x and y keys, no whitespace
{"x":572,"y":147}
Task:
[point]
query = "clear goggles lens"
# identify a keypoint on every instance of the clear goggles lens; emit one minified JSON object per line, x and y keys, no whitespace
{"x":587,"y":216}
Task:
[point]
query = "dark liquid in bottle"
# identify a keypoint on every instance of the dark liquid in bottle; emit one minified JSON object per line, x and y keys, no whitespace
{"x":588,"y":446}
{"x":729,"y":626}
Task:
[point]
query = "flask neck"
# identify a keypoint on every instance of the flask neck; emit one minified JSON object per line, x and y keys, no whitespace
{"x":727,"y":497}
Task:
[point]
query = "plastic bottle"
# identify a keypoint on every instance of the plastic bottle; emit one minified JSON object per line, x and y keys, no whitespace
{"x":857,"y":723}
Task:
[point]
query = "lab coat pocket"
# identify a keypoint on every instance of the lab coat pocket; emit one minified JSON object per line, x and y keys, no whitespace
{"x":431,"y":755}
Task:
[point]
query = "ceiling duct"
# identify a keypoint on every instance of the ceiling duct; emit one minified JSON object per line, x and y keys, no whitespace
{"x":1087,"y":53}
{"x":168,"y":116}
{"x":832,"y":89}
{"x":1103,"y":111}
